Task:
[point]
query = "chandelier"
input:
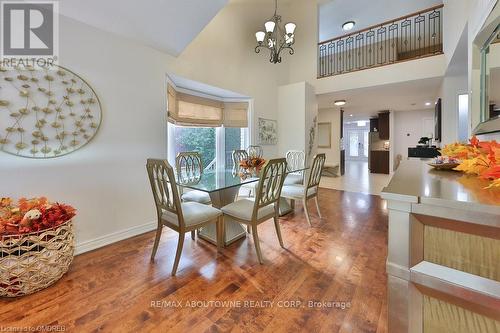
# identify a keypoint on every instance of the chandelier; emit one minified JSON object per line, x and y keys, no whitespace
{"x":275,"y":38}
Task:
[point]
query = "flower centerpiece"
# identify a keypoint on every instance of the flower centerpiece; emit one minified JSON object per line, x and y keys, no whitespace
{"x":478,"y":158}
{"x":251,"y":166}
{"x":36,"y":244}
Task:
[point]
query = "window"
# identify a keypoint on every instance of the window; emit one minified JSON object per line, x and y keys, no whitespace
{"x":211,"y":127}
{"x":215,"y":144}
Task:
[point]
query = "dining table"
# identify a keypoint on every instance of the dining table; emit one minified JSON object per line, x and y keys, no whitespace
{"x":223,"y":186}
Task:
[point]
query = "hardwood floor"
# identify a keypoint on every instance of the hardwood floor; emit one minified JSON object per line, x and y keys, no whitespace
{"x":117,"y":288}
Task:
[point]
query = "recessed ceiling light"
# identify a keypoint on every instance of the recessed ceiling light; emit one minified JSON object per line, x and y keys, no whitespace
{"x":340,"y":102}
{"x":428,"y":104}
{"x":348,"y":25}
{"x":350,"y":115}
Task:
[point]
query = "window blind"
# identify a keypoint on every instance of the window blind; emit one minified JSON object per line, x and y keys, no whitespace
{"x":190,"y":110}
{"x":236,"y":114}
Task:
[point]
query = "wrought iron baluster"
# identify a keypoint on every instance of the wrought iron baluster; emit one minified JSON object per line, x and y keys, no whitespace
{"x":408,"y":37}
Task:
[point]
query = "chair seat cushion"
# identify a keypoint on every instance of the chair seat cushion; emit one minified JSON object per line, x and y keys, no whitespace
{"x":196,"y":196}
{"x":194,"y":213}
{"x":295,"y":191}
{"x":243,"y":209}
{"x":293,"y":179}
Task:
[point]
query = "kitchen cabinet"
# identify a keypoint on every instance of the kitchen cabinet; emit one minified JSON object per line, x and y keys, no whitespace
{"x":383,"y":125}
{"x":373,"y":124}
{"x":379,"y":161}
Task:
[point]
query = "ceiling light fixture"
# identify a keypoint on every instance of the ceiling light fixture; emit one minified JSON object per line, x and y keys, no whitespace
{"x":350,"y":115}
{"x":428,"y":104}
{"x":340,"y":102}
{"x":275,"y":38}
{"x":348,"y":25}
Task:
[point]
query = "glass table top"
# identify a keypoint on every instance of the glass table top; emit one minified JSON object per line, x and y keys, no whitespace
{"x":218,"y":180}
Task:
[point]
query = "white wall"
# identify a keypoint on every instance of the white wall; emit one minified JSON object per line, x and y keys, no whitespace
{"x":408,"y":129}
{"x":106,"y":180}
{"x":451,"y":88}
{"x":297,"y":107}
{"x":331,"y":116}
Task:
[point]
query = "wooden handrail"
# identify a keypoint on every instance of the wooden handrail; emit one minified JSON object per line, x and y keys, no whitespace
{"x":382,"y":24}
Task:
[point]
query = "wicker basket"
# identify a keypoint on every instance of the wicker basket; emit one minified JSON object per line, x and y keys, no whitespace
{"x":31,"y":262}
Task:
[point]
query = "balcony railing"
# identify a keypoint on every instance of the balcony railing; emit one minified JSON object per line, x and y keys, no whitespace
{"x":409,"y":37}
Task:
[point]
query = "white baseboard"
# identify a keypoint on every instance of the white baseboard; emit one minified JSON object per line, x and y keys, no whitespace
{"x":114,"y":237}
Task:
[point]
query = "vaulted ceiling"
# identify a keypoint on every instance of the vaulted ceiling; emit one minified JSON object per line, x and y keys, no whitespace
{"x":167,"y":25}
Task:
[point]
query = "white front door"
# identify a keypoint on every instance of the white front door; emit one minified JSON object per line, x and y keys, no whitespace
{"x":357,"y":148}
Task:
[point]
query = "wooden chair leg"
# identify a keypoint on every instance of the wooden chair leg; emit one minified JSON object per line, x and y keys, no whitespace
{"x":278,"y":230}
{"x":249,"y":228}
{"x":157,"y":241}
{"x":257,"y":244}
{"x":178,"y":253}
{"x":192,"y":234}
{"x":306,"y":211}
{"x":317,"y":207}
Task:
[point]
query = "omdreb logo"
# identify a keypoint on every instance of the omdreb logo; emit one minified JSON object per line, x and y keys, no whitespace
{"x":29,"y":33}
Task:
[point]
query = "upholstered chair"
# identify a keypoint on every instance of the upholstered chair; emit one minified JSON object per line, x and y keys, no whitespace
{"x":181,"y":217}
{"x":310,"y":189}
{"x":255,"y":151}
{"x":189,"y":168}
{"x":265,"y":205}
{"x":295,"y":159}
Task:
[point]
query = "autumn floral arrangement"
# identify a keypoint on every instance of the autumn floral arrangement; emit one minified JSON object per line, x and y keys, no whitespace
{"x":252,"y":165}
{"x":32,"y":215}
{"x":36,"y":244}
{"x":479,"y":158}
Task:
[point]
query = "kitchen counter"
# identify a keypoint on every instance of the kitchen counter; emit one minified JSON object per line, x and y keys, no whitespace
{"x":443,"y":250}
{"x":417,"y":182}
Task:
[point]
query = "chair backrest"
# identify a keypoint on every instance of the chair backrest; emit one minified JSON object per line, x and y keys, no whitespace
{"x":188,"y":166}
{"x":166,"y":196}
{"x":238,"y":156}
{"x":295,"y":159}
{"x":270,"y":184}
{"x":316,"y":170}
{"x":255,"y":151}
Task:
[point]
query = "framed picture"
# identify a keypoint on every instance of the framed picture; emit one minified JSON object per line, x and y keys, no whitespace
{"x":268,"y":131}
{"x":324,"y":135}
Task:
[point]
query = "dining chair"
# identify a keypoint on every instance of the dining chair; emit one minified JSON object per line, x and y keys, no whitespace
{"x":181,"y":217}
{"x":238,"y":156}
{"x":310,"y":189}
{"x":296,"y":160}
{"x":189,"y":168}
{"x":255,"y":151}
{"x":265,"y":204}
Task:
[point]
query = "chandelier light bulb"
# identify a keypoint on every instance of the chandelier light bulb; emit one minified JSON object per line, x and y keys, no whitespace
{"x":270,"y":26}
{"x":260,"y":35}
{"x":290,"y":28}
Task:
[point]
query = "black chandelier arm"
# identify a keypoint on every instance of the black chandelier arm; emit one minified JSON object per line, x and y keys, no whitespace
{"x":258,"y":47}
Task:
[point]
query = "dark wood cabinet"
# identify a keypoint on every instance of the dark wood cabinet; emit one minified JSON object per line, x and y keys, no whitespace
{"x":373,"y":124}
{"x":383,"y":125}
{"x":379,"y":161}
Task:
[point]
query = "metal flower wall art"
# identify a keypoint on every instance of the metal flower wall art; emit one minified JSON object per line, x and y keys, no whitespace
{"x":46,"y":112}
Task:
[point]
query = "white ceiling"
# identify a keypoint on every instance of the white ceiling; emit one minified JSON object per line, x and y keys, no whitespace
{"x":167,"y":25}
{"x":366,"y":102}
{"x":205,"y":89}
{"x":365,"y":13}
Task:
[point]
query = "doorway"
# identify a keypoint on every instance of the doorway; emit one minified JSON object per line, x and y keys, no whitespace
{"x":357,"y":144}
